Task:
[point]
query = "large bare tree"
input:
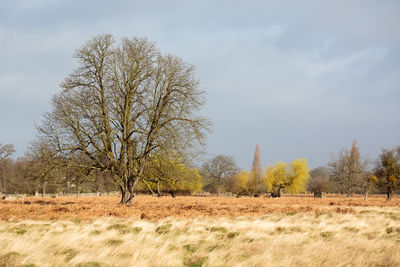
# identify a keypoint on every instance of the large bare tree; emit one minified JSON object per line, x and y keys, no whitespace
{"x":124,"y":102}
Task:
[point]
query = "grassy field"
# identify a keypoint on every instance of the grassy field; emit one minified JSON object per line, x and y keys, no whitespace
{"x":281,"y":232}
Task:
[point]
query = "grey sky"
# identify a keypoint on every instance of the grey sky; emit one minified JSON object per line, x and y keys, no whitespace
{"x":301,"y":78}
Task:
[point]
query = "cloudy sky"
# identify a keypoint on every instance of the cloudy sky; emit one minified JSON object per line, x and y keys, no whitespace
{"x":300,"y":78}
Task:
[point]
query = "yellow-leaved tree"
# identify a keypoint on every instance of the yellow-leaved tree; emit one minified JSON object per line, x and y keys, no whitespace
{"x":172,"y":176}
{"x":292,"y":177}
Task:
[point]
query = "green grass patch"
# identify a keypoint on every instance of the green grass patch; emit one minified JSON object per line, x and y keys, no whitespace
{"x":191,"y":248}
{"x":69,"y":254}
{"x":194,"y":261}
{"x":88,"y":264}
{"x":10,"y":259}
{"x":21,"y":231}
{"x":351,"y":229}
{"x":114,"y":242}
{"x":217,"y":229}
{"x":326,"y":235}
{"x":95,"y":232}
{"x":164,"y":229}
{"x":232,"y":235}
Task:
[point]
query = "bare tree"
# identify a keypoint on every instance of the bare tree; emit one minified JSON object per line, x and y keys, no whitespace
{"x":123,"y":103}
{"x":43,"y":164}
{"x":5,"y":163}
{"x":217,"y":171}
{"x":346,"y":170}
{"x":6,"y":150}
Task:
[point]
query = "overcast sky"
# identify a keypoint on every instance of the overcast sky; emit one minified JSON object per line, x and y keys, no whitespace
{"x":300,"y":78}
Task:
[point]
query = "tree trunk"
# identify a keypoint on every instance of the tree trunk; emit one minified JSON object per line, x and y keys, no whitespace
{"x":389,"y":193}
{"x":158,"y":189}
{"x":77,"y":190}
{"x":43,"y":188}
{"x":365,"y":195}
{"x":126,"y":193}
{"x":279,"y":192}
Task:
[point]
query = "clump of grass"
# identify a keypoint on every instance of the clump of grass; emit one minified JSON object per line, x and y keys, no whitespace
{"x":280,"y":229}
{"x":326,"y":235}
{"x":126,"y":255}
{"x":95,"y":232}
{"x":136,"y":230}
{"x":76,"y":220}
{"x":389,"y":230}
{"x":351,"y":229}
{"x":371,"y":235}
{"x":217,"y":229}
{"x":232,"y":235}
{"x":191,"y":248}
{"x":69,"y":254}
{"x":9,"y":259}
{"x":114,"y":242}
{"x":248,"y":240}
{"x":88,"y":264}
{"x":21,"y":231}
{"x":194,"y":261}
{"x":163,"y":229}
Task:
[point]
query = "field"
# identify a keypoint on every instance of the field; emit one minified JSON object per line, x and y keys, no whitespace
{"x":199,"y":231}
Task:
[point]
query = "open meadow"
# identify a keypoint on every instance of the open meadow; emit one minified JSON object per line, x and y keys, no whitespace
{"x":199,"y":231}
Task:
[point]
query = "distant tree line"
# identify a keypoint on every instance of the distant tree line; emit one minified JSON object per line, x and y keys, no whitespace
{"x":41,"y":171}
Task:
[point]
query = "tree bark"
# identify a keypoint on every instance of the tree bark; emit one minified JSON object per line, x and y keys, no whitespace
{"x":389,"y":193}
{"x":43,"y":188}
{"x":127,"y":192}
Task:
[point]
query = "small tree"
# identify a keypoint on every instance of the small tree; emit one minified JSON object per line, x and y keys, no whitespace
{"x":291,"y":177}
{"x":387,"y":170}
{"x":319,"y":181}
{"x":246,"y":183}
{"x":171,"y":175}
{"x":368,"y":181}
{"x":217,"y":173}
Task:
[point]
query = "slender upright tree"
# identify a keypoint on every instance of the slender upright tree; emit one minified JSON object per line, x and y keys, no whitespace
{"x":256,"y":166}
{"x":256,"y":177}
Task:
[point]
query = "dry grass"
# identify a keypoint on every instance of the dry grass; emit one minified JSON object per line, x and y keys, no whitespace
{"x":148,"y":207}
{"x":199,"y":231}
{"x":368,"y":237}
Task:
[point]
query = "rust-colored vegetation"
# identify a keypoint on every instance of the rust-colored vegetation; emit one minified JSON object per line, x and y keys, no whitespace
{"x":149,"y":207}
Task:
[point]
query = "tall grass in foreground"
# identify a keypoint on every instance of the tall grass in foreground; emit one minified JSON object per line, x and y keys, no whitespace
{"x":369,"y":237}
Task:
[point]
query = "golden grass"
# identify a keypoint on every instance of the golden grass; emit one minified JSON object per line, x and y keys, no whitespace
{"x":370,"y":236}
{"x":148,"y":207}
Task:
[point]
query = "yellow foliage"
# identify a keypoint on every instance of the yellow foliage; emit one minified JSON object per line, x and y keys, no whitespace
{"x":374,"y":179}
{"x":393,"y":178}
{"x":293,"y":177}
{"x":173,"y":175}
